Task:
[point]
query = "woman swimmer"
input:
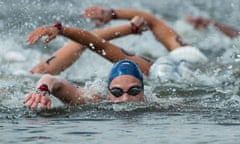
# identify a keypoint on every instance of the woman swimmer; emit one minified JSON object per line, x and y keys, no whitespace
{"x":178,"y":49}
{"x":125,"y":83}
{"x":72,"y":95}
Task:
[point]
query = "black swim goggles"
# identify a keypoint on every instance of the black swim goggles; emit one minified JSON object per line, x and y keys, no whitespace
{"x":118,"y":92}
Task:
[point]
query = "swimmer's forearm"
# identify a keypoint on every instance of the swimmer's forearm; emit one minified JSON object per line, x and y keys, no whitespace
{"x":166,"y":35}
{"x":130,"y":13}
{"x":63,"y":90}
{"x":67,"y":55}
{"x":60,"y":60}
{"x":227,"y":30}
{"x":83,"y":37}
{"x":114,"y":32}
{"x":102,"y":47}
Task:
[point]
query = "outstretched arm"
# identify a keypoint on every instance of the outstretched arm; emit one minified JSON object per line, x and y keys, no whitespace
{"x":60,"y":60}
{"x":94,"y":42}
{"x":67,"y":55}
{"x":60,"y":88}
{"x":200,"y":23}
{"x":166,"y":35}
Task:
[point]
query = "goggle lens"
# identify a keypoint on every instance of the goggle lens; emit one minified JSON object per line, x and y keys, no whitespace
{"x":133,"y":91}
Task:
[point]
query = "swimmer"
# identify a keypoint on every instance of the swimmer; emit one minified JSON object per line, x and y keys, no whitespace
{"x":125,"y":83}
{"x":178,"y":49}
{"x":88,"y":39}
{"x":180,"y":55}
{"x":201,"y":23}
{"x":69,"y":53}
{"x":70,"y":94}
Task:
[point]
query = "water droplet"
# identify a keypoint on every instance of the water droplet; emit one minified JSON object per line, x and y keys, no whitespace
{"x":91,"y":46}
{"x":117,"y":33}
{"x":103,"y":52}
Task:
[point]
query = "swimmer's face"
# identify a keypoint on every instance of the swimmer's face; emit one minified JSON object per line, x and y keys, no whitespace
{"x":125,"y":88}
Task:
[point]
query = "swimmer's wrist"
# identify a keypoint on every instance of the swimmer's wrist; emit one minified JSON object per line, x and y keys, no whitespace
{"x":59,"y":26}
{"x":134,"y":28}
{"x":113,"y":14}
{"x":44,"y":87}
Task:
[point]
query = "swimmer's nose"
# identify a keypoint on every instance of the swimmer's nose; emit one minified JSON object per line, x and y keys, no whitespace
{"x":125,"y":97}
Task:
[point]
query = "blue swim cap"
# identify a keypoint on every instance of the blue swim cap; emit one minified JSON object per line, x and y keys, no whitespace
{"x":125,"y":67}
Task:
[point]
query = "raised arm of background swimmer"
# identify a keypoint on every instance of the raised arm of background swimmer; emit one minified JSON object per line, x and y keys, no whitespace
{"x":95,"y":43}
{"x":67,"y":55}
{"x":200,"y":23}
{"x":106,"y":34}
{"x":166,"y":35}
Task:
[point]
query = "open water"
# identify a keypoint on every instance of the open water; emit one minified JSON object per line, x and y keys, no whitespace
{"x":186,"y":111}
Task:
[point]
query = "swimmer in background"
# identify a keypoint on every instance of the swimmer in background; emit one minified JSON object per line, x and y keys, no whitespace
{"x":178,"y":49}
{"x":69,"y":53}
{"x":94,"y":42}
{"x":201,"y":23}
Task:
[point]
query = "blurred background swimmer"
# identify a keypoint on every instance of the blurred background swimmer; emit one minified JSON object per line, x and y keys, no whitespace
{"x":179,"y":51}
{"x":203,"y":23}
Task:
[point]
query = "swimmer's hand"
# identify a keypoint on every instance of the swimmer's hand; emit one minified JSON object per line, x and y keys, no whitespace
{"x":102,"y":15}
{"x":33,"y":99}
{"x":199,"y":22}
{"x":140,"y":23}
{"x":50,"y":31}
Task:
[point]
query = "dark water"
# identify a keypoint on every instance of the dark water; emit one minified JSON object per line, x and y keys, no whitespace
{"x":186,"y":111}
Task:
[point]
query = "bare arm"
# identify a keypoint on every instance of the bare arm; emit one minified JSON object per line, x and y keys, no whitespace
{"x":200,"y":23}
{"x":60,"y":88}
{"x":163,"y":33}
{"x":60,"y":60}
{"x":67,"y":55}
{"x":104,"y":48}
{"x":232,"y":33}
{"x":95,"y":43}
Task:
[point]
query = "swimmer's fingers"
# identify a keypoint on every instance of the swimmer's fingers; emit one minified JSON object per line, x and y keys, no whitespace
{"x":39,"y":68}
{"x":30,"y":100}
{"x":143,"y":27}
{"x":101,"y":14}
{"x":45,"y":102}
{"x":36,"y":34}
{"x":49,"y":31}
{"x":198,"y":22}
{"x":49,"y":105}
{"x":190,"y":19}
{"x":35,"y":98}
{"x":140,"y":23}
{"x":29,"y":96}
{"x":99,"y":23}
{"x":36,"y":101}
{"x":93,"y":12}
{"x":50,"y":37}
